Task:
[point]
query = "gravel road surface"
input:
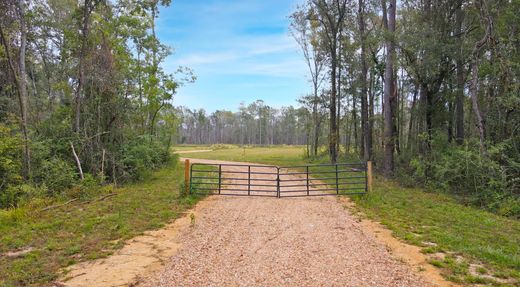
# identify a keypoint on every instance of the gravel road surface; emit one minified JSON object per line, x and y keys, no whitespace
{"x":257,"y":241}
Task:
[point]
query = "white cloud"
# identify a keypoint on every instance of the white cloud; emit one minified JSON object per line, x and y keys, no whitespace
{"x":197,"y":59}
{"x":273,"y":55}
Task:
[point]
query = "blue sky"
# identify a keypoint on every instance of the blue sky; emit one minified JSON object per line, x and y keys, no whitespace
{"x":240,"y":51}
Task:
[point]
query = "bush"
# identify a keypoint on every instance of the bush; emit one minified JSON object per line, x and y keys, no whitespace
{"x":465,"y":171}
{"x":490,"y":182}
{"x":10,"y":161}
{"x":56,"y":174}
{"x":89,"y":187}
{"x":13,"y":195}
{"x":141,"y":156}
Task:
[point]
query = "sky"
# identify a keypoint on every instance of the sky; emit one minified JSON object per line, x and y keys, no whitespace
{"x":240,"y":51}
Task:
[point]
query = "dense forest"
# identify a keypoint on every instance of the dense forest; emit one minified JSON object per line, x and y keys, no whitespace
{"x":83,"y":96}
{"x":428,"y":90}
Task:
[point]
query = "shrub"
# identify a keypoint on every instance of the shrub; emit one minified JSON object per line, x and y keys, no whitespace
{"x":141,"y":156}
{"x":56,"y":174}
{"x":13,"y":195}
{"x":10,"y":150}
{"x":465,"y":171}
{"x":490,"y":182}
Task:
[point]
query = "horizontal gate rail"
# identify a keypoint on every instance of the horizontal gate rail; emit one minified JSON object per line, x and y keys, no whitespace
{"x":243,"y":172}
{"x":320,"y":172}
{"x":273,"y":181}
{"x":233,"y":178}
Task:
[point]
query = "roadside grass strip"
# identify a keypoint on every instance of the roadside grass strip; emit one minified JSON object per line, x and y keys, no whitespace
{"x":36,"y":245}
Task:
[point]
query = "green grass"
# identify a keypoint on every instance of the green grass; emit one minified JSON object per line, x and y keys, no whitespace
{"x":277,"y":155}
{"x":434,"y":221}
{"x":84,"y":231}
{"x":419,"y":217}
{"x":189,"y":147}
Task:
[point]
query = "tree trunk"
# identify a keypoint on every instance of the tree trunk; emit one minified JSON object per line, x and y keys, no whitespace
{"x":412,"y":119}
{"x":481,"y":125}
{"x":371,"y":94}
{"x":338,"y":108}
{"x":332,"y":108}
{"x":476,"y":109}
{"x":366,"y":151}
{"x":354,"y":124}
{"x":81,"y":67}
{"x":389,"y":90}
{"x":459,"y":101}
{"x":20,"y":79}
{"x":23,"y":88}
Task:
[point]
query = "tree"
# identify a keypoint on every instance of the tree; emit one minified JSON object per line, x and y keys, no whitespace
{"x":459,"y":102}
{"x":331,"y":14}
{"x":486,"y":38}
{"x":366,"y":128}
{"x":389,"y":90}
{"x":20,"y":76}
{"x":304,"y":31}
{"x":72,"y":79}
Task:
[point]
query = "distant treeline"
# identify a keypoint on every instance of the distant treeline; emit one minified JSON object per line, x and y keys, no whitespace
{"x":253,"y":124}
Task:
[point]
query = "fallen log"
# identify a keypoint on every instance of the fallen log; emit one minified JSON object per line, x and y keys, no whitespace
{"x":59,"y":205}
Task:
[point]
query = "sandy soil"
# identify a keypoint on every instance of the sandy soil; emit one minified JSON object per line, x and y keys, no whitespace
{"x":141,"y":255}
{"x":252,"y":241}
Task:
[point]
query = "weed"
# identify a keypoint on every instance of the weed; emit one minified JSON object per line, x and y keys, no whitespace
{"x":192,"y":219}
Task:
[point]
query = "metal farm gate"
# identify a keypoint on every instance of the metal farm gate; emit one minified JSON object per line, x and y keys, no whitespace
{"x":274,"y":181}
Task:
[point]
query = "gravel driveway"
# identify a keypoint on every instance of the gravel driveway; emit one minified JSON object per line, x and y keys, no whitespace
{"x":256,"y":241}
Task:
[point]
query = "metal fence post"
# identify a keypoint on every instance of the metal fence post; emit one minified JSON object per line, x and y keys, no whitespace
{"x":278,"y":181}
{"x":219,"y":177}
{"x":187,"y":177}
{"x":248,"y":180}
{"x":337,"y":180}
{"x":369,"y":176}
{"x":307,"y":180}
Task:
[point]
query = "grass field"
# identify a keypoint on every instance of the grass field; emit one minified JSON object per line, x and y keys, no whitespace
{"x":469,"y":245}
{"x":85,"y":230}
{"x":278,"y":155}
{"x":190,"y":147}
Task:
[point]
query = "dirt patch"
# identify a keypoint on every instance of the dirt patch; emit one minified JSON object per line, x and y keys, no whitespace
{"x":18,"y":253}
{"x":139,"y":256}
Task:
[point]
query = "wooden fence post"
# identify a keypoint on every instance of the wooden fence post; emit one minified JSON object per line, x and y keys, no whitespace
{"x":369,"y":175}
{"x":186,"y":177}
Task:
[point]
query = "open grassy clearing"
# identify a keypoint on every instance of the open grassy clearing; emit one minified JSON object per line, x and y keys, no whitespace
{"x":85,"y":230}
{"x":190,"y":147}
{"x":470,"y":245}
{"x":277,"y":155}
